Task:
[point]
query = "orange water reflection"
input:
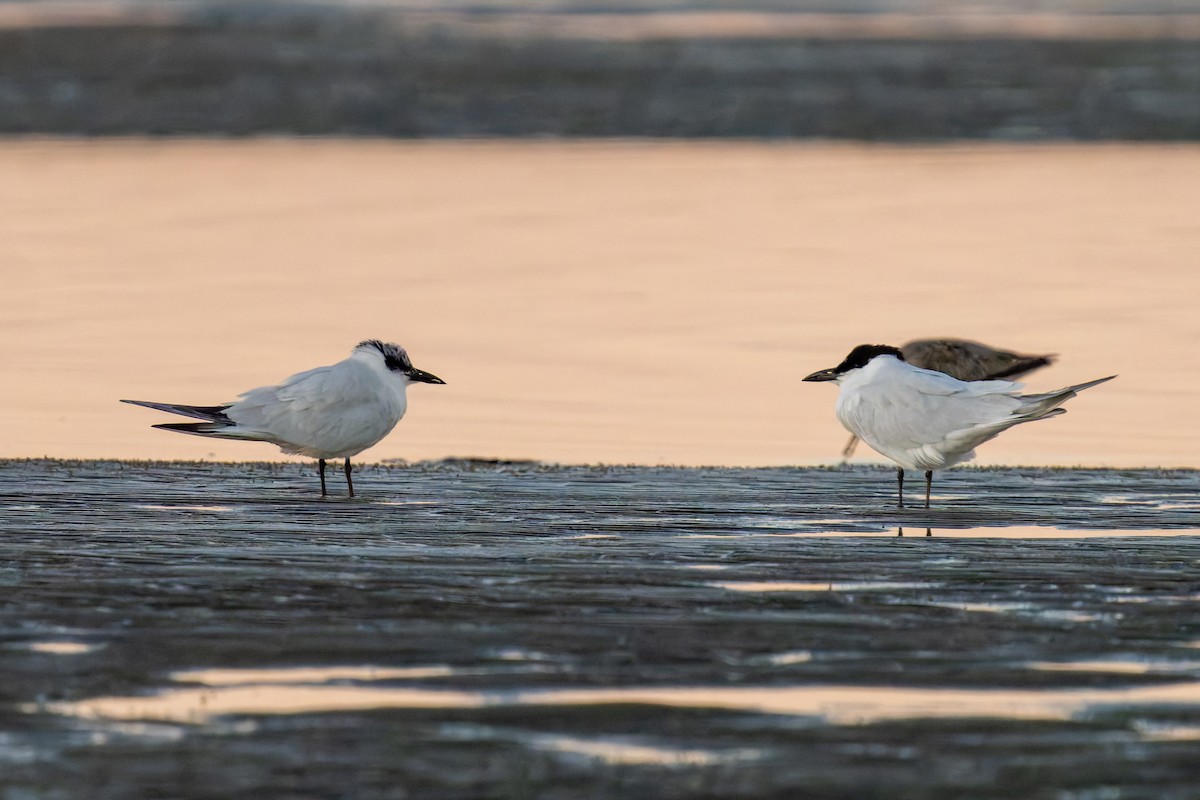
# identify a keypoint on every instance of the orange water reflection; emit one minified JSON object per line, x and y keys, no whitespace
{"x":616,"y":302}
{"x":819,"y":586}
{"x":835,"y":704}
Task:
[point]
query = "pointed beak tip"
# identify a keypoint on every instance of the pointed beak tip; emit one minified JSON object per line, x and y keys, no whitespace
{"x":421,"y":376}
{"x":820,"y":375}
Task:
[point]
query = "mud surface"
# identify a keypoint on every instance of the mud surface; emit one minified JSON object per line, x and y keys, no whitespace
{"x":233,"y":71}
{"x":466,"y":630}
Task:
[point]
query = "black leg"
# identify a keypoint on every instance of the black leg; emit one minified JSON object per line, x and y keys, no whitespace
{"x":349,"y":483}
{"x":848,"y":450}
{"x":321,"y":471}
{"x":928,"y":485}
{"x":900,"y":478}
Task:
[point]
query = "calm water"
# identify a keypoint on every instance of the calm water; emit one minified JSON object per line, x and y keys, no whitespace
{"x":618,"y":302}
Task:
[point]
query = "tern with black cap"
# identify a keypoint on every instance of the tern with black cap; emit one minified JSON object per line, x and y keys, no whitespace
{"x":967,"y":361}
{"x":927,"y":420}
{"x":328,"y":412}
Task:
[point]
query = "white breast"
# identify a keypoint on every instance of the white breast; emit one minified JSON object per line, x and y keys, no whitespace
{"x":921,"y":419}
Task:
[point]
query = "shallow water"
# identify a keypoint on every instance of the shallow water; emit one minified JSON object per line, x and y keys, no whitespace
{"x":475,"y":630}
{"x":620,"y":302}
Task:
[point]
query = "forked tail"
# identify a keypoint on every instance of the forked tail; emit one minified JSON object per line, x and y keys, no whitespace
{"x":217,"y":430}
{"x":1079,"y":387}
{"x":215,"y":423}
{"x":1019,"y":366}
{"x":206,"y":413}
{"x":1038,"y":406}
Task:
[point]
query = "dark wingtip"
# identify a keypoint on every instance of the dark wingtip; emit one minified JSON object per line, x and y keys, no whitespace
{"x":191,"y":427}
{"x":207,"y":413}
{"x":1021,"y":367}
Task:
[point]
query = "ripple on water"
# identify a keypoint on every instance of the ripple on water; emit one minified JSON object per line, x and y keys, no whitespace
{"x":1166,"y":732}
{"x":996,"y":532}
{"x":625,"y":752}
{"x":264,"y":692}
{"x":1023,"y":608}
{"x":820,"y":586}
{"x":783,"y":659}
{"x":1047,"y":532}
{"x":1121,"y":665}
{"x":181,"y":507}
{"x":61,"y":648}
{"x":612,"y":750}
{"x":1163,"y":503}
{"x":308,"y":675}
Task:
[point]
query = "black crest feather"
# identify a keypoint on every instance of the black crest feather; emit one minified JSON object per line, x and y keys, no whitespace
{"x":862,"y":354}
{"x":394,"y":356}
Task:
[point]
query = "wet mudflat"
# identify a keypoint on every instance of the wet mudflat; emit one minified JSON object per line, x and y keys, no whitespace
{"x":467,"y":630}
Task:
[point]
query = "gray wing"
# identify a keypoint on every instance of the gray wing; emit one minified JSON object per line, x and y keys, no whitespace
{"x":338,"y":407}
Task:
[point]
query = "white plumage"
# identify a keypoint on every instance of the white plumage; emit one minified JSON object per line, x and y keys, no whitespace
{"x":967,"y":361}
{"x":328,"y":412}
{"x":926,"y":420}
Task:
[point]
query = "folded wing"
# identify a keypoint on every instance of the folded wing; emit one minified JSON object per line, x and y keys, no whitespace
{"x":337,"y":410}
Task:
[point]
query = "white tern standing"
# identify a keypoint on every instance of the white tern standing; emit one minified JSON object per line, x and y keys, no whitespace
{"x":927,"y":420}
{"x":967,"y":361}
{"x":328,"y":412}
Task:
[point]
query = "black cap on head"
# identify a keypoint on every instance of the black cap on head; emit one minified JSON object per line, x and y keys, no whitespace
{"x":396,"y":359}
{"x":859,"y":357}
{"x":394,"y":356}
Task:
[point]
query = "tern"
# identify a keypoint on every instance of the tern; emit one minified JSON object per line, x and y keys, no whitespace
{"x":328,"y":412}
{"x":967,"y":361}
{"x":927,"y":420}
